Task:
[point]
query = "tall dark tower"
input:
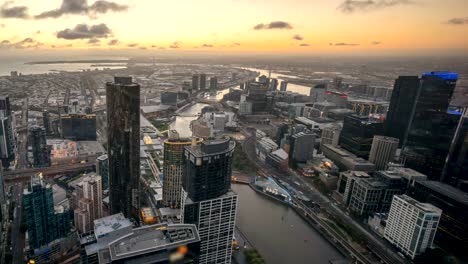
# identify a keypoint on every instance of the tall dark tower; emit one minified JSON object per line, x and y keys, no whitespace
{"x":431,"y":129}
{"x":401,"y":104}
{"x":202,"y":81}
{"x":123,"y":139}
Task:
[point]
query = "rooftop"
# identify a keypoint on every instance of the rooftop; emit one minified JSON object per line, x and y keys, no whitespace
{"x":152,"y":238}
{"x":426,"y":207}
{"x":447,"y":190}
{"x":110,"y":223}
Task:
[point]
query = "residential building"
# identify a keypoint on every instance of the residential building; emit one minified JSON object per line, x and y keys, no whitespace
{"x":383,"y":151}
{"x":317,"y":93}
{"x":40,"y":149}
{"x":44,"y":221}
{"x":173,"y":168}
{"x":209,"y":203}
{"x":102,"y":168}
{"x":202,"y":81}
{"x":88,"y":196}
{"x":213,"y":83}
{"x":195,"y":82}
{"x":284,"y":86}
{"x":123,"y":135}
{"x":411,"y":225}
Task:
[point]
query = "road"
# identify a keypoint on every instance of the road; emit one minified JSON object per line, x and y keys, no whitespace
{"x":378,"y":245}
{"x":17,"y":237}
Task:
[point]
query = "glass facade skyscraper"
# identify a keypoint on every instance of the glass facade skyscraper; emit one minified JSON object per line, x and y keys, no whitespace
{"x":431,"y":128}
{"x":358,"y":133}
{"x":123,"y":133}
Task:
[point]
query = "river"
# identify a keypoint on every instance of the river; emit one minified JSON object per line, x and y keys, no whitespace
{"x":280,"y":235}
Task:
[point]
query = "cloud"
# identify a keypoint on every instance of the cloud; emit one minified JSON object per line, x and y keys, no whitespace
{"x":23,"y":44}
{"x":351,"y":6}
{"x":236,"y":44}
{"x":457,"y":21}
{"x":376,"y":42}
{"x":62,"y":46}
{"x":2,"y":25}
{"x":83,"y":31}
{"x":132,"y":45}
{"x":154,"y":46}
{"x":175,"y":45}
{"x":298,"y":37}
{"x":304,"y":45}
{"x":8,"y":11}
{"x":143,"y":48}
{"x":207,"y":46}
{"x":274,"y":25}
{"x":343,"y":44}
{"x":94,"y":42}
{"x":161,"y":48}
{"x":38,"y":32}
{"x":81,"y":7}
{"x":113,"y":42}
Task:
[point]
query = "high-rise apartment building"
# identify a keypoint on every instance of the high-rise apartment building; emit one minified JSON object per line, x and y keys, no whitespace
{"x":383,"y":151}
{"x":202,"y":81}
{"x":88,"y":194}
{"x":213,"y":83}
{"x":102,"y":168}
{"x":358,"y":133}
{"x":195,"y":82}
{"x":284,"y":86}
{"x":40,"y":149}
{"x":173,"y":168}
{"x":431,"y":129}
{"x":44,"y":221}
{"x":123,"y":139}
{"x":411,"y":225}
{"x":209,"y":203}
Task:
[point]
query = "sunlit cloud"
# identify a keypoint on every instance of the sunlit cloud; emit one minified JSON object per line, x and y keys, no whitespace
{"x":9,"y":11}
{"x":298,"y":37}
{"x":83,"y":31}
{"x":351,"y":6}
{"x":81,"y":7}
{"x":458,"y":21}
{"x":273,"y":25}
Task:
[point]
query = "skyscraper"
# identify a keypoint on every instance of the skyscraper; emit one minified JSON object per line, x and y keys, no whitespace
{"x":44,"y":222}
{"x":88,"y":193}
{"x":284,"y":86}
{"x":46,"y":121}
{"x":202,"y":81}
{"x":456,"y":167}
{"x":411,"y":225}
{"x":173,"y":169}
{"x":40,"y":149}
{"x":7,"y":138}
{"x":210,"y":203}
{"x":213,"y":83}
{"x":383,"y":151}
{"x":401,"y":103}
{"x":431,"y":129}
{"x":195,"y":82}
{"x":123,"y":139}
{"x":102,"y":168}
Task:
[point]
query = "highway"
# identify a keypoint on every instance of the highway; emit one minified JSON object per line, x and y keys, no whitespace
{"x":378,"y":246}
{"x":24,"y":175}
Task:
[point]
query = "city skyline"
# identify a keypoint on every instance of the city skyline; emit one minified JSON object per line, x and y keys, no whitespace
{"x":325,"y":27}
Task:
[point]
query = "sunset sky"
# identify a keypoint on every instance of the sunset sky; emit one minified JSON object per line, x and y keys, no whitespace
{"x":327,"y":26}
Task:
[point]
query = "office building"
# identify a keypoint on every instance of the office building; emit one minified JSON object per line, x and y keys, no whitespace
{"x":330,"y":135}
{"x":317,"y":94}
{"x":358,"y":133}
{"x":44,"y":221}
{"x":88,"y":196}
{"x":78,"y":126}
{"x":301,"y":147}
{"x":115,"y":240}
{"x":456,"y":168}
{"x":346,"y":160}
{"x":102,"y":168}
{"x":284,"y":86}
{"x":213,"y":83}
{"x":123,"y":139}
{"x":209,"y":203}
{"x":257,"y":96}
{"x":40,"y":149}
{"x":273,"y":84}
{"x":173,"y":168}
{"x":169,"y":98}
{"x":383,"y":151}
{"x":401,"y":104}
{"x":202,"y":81}
{"x":195,"y":82}
{"x":411,"y":225}
{"x":452,"y":234}
{"x":186,"y":86}
{"x":430,"y":128}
